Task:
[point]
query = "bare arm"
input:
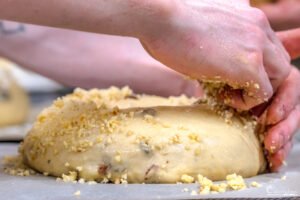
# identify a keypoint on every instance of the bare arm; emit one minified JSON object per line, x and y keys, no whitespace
{"x":208,"y":39}
{"x":116,"y":17}
{"x":88,"y":60}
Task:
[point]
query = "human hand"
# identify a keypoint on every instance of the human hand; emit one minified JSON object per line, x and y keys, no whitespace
{"x":283,"y":120}
{"x":79,"y":59}
{"x":284,"y":14}
{"x":226,"y":41}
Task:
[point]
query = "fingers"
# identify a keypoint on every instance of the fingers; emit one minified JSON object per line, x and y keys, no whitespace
{"x":243,"y":99}
{"x":281,"y":133}
{"x":276,"y":65}
{"x":278,"y":159}
{"x":286,"y":98}
{"x":291,"y":41}
{"x":285,"y":113}
{"x":240,"y":100}
{"x":192,"y":89}
{"x":254,"y":92}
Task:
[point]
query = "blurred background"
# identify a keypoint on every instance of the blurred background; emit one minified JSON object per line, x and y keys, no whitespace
{"x":23,"y":94}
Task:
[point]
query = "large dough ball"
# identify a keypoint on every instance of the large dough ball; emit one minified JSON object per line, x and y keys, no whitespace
{"x":14,"y":102}
{"x":115,"y":135}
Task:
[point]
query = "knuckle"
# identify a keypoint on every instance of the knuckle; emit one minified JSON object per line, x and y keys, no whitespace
{"x":256,"y":56}
{"x":255,"y":60}
{"x":256,"y":35}
{"x":260,"y":17}
{"x":281,"y":72}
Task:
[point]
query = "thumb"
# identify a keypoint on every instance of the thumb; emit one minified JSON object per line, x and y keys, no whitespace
{"x":291,"y":41}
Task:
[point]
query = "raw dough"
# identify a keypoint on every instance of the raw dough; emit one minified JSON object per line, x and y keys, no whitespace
{"x":114,"y":135}
{"x":14,"y":102}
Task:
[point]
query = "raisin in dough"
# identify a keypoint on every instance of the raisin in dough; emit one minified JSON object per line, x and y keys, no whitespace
{"x":14,"y":102}
{"x":115,"y":135}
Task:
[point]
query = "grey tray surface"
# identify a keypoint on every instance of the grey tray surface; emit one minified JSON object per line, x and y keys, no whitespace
{"x":43,"y":188}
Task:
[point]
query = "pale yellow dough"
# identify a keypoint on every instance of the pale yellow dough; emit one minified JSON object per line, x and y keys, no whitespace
{"x":14,"y":102}
{"x":113,"y":135}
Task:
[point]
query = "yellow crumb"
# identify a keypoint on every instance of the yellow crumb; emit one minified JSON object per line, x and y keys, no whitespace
{"x":99,"y":139}
{"x":109,"y":141}
{"x":129,"y":133}
{"x":59,"y":103}
{"x":187,"y":179}
{"x":219,"y":187}
{"x":118,"y":158}
{"x":193,"y":193}
{"x":205,"y":184}
{"x":79,"y":168}
{"x":92,"y":182}
{"x":175,"y":139}
{"x":235,"y":182}
{"x":255,"y":184}
{"x":81,"y":181}
{"x":197,"y":151}
{"x":194,"y":137}
{"x":41,"y":118}
{"x":272,"y":149}
{"x":124,"y":179}
{"x":150,"y":119}
{"x":187,"y":148}
{"x":77,"y":193}
{"x":14,"y":165}
{"x":72,"y":176}
{"x":46,"y":173}
{"x":256,"y":86}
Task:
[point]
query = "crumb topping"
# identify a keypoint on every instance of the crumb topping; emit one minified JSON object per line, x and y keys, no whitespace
{"x":187,"y":179}
{"x":98,"y":123}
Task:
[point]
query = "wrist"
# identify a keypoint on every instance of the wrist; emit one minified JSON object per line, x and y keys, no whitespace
{"x":157,"y":17}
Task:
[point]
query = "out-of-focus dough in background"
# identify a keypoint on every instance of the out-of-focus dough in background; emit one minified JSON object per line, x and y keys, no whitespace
{"x":14,"y":101}
{"x":23,"y":95}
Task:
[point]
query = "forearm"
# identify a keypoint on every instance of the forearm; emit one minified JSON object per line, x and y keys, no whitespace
{"x":90,"y":60}
{"x":116,"y":17}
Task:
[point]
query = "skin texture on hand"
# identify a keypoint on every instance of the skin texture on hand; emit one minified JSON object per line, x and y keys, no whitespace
{"x":283,"y":118}
{"x":282,"y":115}
{"x":88,"y":60}
{"x":208,"y":39}
{"x":284,"y":14}
{"x":227,"y":41}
